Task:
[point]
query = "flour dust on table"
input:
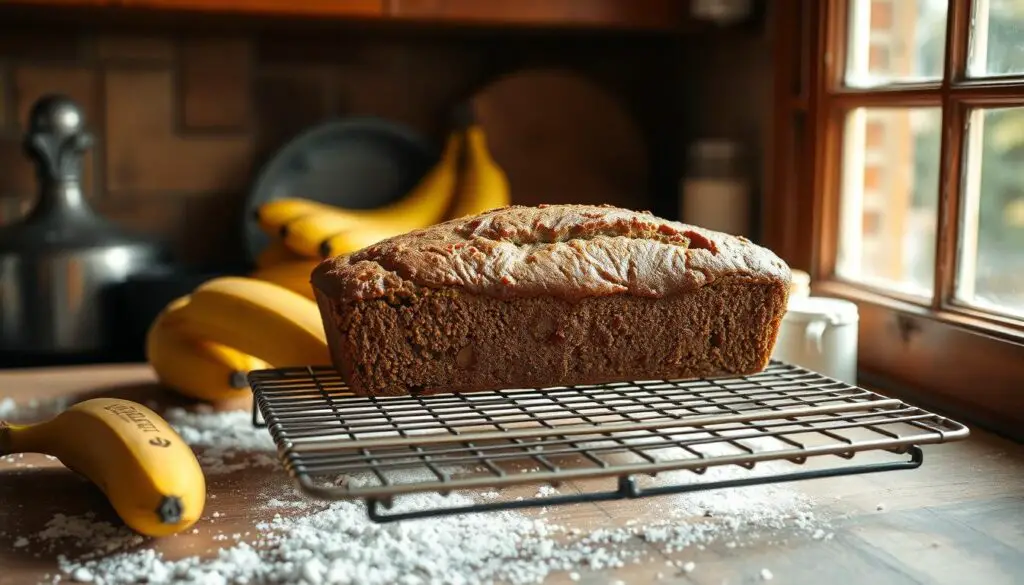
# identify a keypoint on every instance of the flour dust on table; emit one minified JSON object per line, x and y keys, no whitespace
{"x":314,"y":542}
{"x":224,"y":441}
{"x":336,"y":543}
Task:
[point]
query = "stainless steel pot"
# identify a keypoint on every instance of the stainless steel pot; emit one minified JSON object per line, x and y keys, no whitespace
{"x":58,"y":265}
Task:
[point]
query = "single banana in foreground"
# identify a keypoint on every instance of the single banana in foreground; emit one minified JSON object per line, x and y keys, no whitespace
{"x":147,"y":472}
{"x":426,"y":204}
{"x":483,"y":185}
{"x":254,"y":317}
{"x":197,"y":368}
{"x":293,"y":275}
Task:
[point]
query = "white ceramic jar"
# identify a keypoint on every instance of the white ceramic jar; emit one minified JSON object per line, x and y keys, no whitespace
{"x":820,"y":334}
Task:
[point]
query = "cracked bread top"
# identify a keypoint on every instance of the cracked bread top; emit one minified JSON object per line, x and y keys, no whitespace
{"x":565,"y":251}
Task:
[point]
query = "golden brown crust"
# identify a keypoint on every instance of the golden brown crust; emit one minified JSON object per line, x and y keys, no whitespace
{"x":569,"y":252}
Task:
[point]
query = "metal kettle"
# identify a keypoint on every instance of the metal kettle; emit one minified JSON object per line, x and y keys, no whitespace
{"x":59,"y":264}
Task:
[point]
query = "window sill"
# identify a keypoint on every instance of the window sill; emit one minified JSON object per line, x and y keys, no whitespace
{"x":948,"y":362}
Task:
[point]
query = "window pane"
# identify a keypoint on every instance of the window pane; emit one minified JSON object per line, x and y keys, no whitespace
{"x":997,"y":38}
{"x":990,"y":271}
{"x":893,"y":41}
{"x":889,"y":198}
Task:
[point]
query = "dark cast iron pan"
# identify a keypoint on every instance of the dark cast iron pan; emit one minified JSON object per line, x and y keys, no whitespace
{"x":355,"y":163}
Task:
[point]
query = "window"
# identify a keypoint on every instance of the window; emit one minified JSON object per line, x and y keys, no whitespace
{"x":903,"y":132}
{"x":894,"y":177}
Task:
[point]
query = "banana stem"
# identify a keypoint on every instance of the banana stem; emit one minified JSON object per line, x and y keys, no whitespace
{"x":20,"y":438}
{"x":6,"y":444}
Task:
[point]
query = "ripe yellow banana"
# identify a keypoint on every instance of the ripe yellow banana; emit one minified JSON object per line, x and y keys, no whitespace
{"x":425,"y":205}
{"x":149,"y":475}
{"x":275,"y":253}
{"x":293,"y":275}
{"x":483,"y":185}
{"x":274,"y":215}
{"x":349,"y":241}
{"x":255,"y":317}
{"x":197,"y":368}
{"x":305,"y":235}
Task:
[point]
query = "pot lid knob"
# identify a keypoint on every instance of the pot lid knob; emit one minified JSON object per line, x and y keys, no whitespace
{"x":57,"y":139}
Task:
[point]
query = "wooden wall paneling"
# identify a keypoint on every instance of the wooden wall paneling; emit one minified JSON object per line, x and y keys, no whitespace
{"x":349,"y":8}
{"x":160,"y":217}
{"x":15,"y":179}
{"x":7,"y":118}
{"x":219,"y":218}
{"x":151,"y":49}
{"x":652,"y":15}
{"x":416,"y":82}
{"x":144,"y":152}
{"x":287,"y":101}
{"x":13,"y":208}
{"x":13,"y":204}
{"x":215,"y":76}
{"x":33,"y":44}
{"x":655,"y":14}
{"x":355,"y":8}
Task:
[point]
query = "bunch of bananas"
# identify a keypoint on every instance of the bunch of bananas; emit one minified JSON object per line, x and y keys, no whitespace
{"x":203,"y":345}
{"x":466,"y":181}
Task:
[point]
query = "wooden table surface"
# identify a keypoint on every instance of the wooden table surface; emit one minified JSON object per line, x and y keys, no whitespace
{"x":959,"y":519}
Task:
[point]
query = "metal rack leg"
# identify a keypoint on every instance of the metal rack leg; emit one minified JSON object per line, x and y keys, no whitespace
{"x":627,"y":488}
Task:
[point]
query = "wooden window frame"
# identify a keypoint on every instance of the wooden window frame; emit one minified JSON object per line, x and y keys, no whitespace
{"x":965,"y":362}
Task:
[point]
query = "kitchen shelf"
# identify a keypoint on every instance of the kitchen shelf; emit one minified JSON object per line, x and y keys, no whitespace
{"x":663,"y":15}
{"x":783,"y":424}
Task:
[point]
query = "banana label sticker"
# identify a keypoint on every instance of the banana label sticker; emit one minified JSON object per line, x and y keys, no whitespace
{"x":130,"y":414}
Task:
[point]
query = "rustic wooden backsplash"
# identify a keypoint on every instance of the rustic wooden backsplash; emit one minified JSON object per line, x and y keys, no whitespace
{"x":185,"y":120}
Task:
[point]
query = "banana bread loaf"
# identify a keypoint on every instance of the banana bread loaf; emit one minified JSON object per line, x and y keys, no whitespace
{"x":553,"y":295}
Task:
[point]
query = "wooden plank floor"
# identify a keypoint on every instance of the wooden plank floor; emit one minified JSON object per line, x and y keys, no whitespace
{"x":958,"y":520}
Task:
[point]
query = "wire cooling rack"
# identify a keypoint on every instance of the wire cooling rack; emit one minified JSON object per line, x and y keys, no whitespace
{"x":799,"y":423}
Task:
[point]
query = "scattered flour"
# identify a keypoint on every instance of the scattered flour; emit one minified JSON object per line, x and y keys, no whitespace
{"x":228,"y":440}
{"x":277,"y":503}
{"x":546,"y":490}
{"x":313,"y":542}
{"x":335,"y":543}
{"x":31,"y":411}
{"x":101,"y":536}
